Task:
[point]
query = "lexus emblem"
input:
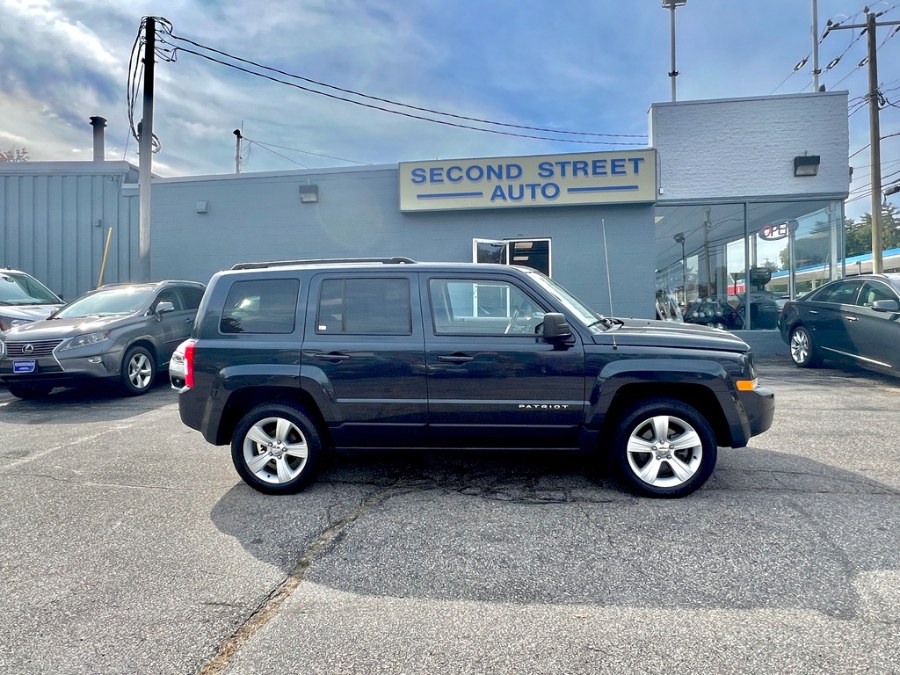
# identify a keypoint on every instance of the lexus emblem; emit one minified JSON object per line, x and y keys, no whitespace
{"x":27,"y":349}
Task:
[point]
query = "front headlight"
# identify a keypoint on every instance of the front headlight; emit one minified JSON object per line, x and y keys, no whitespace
{"x":87,"y":339}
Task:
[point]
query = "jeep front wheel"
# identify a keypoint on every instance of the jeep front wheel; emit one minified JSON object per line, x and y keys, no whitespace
{"x":665,"y":448}
{"x":276,"y":448}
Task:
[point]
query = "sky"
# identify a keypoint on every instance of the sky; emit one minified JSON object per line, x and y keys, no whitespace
{"x":586,"y":66}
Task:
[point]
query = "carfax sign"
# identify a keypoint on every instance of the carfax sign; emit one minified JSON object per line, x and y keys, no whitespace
{"x":544,"y":180}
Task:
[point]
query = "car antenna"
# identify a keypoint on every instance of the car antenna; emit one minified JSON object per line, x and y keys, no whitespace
{"x":608,"y":277}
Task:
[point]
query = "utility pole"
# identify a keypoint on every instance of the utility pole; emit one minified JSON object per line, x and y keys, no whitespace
{"x":146,"y":150}
{"x":237,"y":151}
{"x":874,"y":97}
{"x":815,"y":44}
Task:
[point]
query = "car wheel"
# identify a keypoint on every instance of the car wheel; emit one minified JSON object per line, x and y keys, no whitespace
{"x":665,"y":448}
{"x":138,"y":371}
{"x":29,"y":391}
{"x":276,"y":449}
{"x":803,"y":353}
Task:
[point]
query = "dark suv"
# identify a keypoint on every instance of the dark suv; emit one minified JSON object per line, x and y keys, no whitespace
{"x":289,"y":358}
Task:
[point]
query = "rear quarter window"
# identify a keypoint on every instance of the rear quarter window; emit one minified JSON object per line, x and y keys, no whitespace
{"x":261,"y":306}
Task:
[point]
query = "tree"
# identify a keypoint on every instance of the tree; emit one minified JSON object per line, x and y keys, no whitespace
{"x":859,"y":234}
{"x":14,"y":155}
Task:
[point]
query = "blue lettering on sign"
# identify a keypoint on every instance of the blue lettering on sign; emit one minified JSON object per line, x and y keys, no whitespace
{"x":618,"y":167}
{"x":519,"y":191}
{"x":636,"y":164}
{"x":418,"y":176}
{"x":598,"y":167}
{"x":454,"y":174}
{"x":545,"y":170}
{"x":474,"y":173}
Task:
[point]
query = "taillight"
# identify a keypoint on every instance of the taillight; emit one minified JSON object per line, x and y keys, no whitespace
{"x":189,"y":364}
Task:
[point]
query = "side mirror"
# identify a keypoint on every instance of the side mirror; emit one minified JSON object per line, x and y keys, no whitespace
{"x":556,"y":328}
{"x":164,"y":307}
{"x":886,"y":306}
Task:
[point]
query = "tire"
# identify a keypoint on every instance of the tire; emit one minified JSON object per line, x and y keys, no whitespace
{"x":29,"y":391}
{"x":803,"y":351}
{"x":276,"y":449}
{"x":672,"y":466}
{"x":138,"y":371}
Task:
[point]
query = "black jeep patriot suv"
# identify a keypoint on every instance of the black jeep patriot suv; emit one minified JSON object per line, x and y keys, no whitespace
{"x":289,"y":358}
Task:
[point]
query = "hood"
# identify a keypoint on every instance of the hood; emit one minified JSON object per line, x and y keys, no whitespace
{"x":640,"y":332}
{"x":55,"y":329}
{"x":28,"y":312}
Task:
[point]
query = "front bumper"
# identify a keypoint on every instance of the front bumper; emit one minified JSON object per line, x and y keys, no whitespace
{"x":759,"y":410}
{"x":62,"y":369}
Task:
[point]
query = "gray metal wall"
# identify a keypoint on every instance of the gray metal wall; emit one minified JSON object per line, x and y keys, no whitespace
{"x":260,"y":217}
{"x":54,"y":220}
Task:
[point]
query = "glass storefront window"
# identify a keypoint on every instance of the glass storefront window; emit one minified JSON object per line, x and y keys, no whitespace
{"x":716,"y":260}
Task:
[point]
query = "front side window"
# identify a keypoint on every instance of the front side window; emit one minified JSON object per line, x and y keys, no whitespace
{"x":872,"y":291}
{"x":482,"y":307}
{"x":261,"y":306}
{"x":355,"y":306}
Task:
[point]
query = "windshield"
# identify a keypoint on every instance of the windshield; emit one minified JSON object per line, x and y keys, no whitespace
{"x":21,"y":289}
{"x":111,"y":302}
{"x":585,"y":315}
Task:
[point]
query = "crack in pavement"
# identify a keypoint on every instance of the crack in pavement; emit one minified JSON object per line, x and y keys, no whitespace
{"x":268,"y":609}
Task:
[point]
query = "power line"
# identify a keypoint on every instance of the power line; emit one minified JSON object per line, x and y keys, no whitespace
{"x":305,"y":152}
{"x":176,"y":48}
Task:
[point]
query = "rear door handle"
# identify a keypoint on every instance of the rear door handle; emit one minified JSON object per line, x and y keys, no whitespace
{"x":813,"y":311}
{"x":852,"y":318}
{"x":331,"y":358}
{"x":455,"y":358}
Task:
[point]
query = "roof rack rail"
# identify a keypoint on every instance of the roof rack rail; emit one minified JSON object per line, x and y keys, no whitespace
{"x":321,"y":261}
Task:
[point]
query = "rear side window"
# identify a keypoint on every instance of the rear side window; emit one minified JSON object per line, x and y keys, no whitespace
{"x":364,"y":307}
{"x":261,"y":306}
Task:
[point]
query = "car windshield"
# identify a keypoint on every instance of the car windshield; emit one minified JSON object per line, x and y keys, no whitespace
{"x":110,"y":302}
{"x":585,"y":315}
{"x":21,"y":289}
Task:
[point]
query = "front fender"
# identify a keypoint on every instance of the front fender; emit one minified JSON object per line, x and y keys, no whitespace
{"x":702,"y":383}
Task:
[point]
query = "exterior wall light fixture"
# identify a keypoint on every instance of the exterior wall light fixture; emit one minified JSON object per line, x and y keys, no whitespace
{"x":309,"y":194}
{"x":806,"y":165}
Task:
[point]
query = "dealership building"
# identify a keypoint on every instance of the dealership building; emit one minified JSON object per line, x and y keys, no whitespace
{"x":734,"y":204}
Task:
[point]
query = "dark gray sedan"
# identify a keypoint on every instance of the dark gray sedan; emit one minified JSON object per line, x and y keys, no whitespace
{"x":120,"y":332}
{"x":854,"y":320}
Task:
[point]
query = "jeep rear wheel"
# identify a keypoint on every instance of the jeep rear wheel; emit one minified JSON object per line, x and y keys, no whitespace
{"x":665,"y":448}
{"x":276,"y":449}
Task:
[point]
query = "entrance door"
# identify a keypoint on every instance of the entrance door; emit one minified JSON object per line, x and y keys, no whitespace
{"x":534,"y":253}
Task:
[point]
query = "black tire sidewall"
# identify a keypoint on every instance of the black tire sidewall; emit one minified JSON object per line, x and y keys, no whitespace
{"x":637,"y":415}
{"x":127,"y":386}
{"x":296,"y":416}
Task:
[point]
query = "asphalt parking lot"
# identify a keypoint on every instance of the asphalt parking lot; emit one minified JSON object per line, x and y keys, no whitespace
{"x":130,"y":545}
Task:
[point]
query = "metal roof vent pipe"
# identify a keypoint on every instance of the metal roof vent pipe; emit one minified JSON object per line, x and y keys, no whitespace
{"x":99,"y":143}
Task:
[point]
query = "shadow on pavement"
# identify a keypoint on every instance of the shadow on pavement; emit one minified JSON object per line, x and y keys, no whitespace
{"x":777,"y":532}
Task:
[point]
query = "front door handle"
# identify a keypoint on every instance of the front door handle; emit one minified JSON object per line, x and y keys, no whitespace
{"x":852,"y":318}
{"x":334,"y":357}
{"x":455,"y":358}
